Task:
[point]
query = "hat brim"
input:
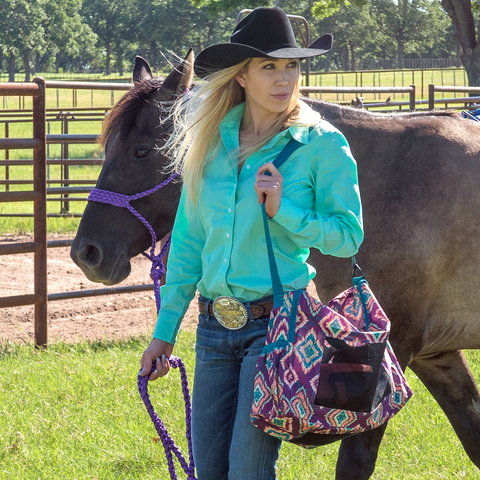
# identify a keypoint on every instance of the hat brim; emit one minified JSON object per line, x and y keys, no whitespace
{"x":224,"y":55}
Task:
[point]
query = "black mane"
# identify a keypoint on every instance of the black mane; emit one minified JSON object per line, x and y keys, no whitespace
{"x":119,"y":120}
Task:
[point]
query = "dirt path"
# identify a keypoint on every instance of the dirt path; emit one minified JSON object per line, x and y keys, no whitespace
{"x":92,"y":318}
{"x":111,"y":316}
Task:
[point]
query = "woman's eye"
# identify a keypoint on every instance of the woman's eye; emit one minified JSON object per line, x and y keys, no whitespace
{"x":269,"y":66}
{"x":293,"y":65}
{"x":142,"y":153}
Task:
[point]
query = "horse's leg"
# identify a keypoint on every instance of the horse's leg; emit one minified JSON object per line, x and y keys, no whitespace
{"x":448,"y":378}
{"x":358,"y":454}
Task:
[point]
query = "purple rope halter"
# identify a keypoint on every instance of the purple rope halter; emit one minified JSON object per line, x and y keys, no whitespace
{"x":157,"y":272}
{"x":123,"y":201}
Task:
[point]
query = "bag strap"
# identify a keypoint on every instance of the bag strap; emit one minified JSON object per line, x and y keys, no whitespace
{"x":288,"y":149}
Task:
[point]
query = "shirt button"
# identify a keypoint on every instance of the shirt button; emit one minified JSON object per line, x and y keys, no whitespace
{"x":247,"y":167}
{"x":229,"y":210}
{"x":223,"y":284}
{"x":234,"y":185}
{"x":225,"y":260}
{"x":228,"y":235}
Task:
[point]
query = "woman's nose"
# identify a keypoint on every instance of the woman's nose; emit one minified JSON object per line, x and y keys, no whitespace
{"x":282,"y":78}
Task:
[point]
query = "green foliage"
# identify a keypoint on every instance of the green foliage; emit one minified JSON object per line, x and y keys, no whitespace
{"x":21,"y":24}
{"x":219,"y":6}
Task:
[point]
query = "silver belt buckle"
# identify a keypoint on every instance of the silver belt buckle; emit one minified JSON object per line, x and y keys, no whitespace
{"x":230,"y":312}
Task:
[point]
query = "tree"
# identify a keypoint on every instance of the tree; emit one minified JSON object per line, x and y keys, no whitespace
{"x":409,"y":22}
{"x":20,"y":32}
{"x":461,"y":13}
{"x":111,"y":22}
{"x":65,"y":32}
{"x":175,"y":26}
{"x":467,"y":33}
{"x":356,"y":33}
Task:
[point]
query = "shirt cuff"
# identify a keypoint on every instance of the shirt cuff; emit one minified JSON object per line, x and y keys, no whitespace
{"x":167,"y":329}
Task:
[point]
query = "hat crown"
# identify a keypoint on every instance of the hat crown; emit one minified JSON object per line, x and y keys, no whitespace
{"x":266,"y":29}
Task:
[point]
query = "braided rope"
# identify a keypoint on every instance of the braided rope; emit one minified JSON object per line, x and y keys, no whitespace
{"x":156,"y":273}
{"x":168,"y":443}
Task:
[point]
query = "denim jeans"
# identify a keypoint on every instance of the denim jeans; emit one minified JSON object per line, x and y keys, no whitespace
{"x":226,"y":445}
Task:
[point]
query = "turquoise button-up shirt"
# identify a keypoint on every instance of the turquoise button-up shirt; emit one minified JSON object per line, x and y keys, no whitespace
{"x":219,"y":248}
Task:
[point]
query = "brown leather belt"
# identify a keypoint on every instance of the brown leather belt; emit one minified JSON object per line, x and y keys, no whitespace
{"x":258,"y":309}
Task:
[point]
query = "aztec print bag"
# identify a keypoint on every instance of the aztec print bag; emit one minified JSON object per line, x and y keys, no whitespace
{"x":326,"y":371}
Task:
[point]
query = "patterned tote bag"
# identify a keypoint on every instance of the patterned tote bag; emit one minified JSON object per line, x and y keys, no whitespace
{"x":326,"y":371}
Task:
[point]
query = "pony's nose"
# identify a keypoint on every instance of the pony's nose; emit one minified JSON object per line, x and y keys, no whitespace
{"x":91,"y":256}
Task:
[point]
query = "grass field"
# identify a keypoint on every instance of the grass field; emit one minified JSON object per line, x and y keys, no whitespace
{"x":74,"y":412}
{"x":390,"y":78}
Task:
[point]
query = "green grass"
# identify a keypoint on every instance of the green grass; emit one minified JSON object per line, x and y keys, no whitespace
{"x":74,"y":412}
{"x":390,"y":78}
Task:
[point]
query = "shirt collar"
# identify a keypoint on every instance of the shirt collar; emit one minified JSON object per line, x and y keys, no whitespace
{"x":230,"y":126}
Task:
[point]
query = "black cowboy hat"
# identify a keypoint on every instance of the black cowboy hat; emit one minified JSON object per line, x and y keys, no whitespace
{"x":266,"y":33}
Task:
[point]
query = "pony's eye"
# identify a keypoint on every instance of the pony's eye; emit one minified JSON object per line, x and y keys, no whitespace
{"x":142,"y":153}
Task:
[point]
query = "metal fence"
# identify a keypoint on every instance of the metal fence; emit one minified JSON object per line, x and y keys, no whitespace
{"x":38,"y":195}
{"x":41,"y":189}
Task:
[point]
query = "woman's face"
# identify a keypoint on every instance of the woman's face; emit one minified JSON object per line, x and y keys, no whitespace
{"x":269,"y":84}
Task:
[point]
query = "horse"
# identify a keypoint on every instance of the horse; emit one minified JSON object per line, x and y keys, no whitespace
{"x":419,"y":176}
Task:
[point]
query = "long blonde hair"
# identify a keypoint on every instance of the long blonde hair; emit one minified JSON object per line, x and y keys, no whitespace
{"x":197,"y":117}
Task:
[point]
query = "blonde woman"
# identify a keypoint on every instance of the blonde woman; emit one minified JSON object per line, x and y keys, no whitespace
{"x":227,"y":134}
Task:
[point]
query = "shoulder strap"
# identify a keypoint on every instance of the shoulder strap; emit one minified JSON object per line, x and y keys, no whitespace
{"x":288,"y":149}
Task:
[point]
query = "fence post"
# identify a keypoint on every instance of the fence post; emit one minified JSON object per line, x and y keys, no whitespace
{"x":40,"y":214}
{"x":412,"y":98}
{"x":7,"y":157}
{"x":431,"y":96}
{"x":66,"y":174}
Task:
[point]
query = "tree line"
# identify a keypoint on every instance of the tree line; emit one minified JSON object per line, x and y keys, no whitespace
{"x":74,"y":35}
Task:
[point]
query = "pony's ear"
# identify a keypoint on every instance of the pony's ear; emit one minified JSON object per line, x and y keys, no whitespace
{"x":141,"y":71}
{"x":179,"y":81}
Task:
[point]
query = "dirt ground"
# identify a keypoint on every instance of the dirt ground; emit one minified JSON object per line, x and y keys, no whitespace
{"x":91,"y":318}
{"x":94,"y":317}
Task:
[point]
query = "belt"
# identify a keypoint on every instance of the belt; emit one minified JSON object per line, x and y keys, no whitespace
{"x":232,"y":313}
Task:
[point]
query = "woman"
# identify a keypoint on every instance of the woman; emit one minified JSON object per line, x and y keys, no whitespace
{"x":227,"y":134}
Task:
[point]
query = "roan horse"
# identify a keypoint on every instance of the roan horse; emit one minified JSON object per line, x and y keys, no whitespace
{"x":419,"y":178}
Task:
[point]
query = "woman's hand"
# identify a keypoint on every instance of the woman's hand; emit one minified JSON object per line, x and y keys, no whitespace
{"x":161,"y":351}
{"x":269,"y":188}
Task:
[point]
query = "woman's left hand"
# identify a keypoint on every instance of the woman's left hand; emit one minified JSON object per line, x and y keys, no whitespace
{"x":269,"y":188}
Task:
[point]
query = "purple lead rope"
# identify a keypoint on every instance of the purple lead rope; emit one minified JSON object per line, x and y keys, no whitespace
{"x":157,"y":272}
{"x":168,"y":443}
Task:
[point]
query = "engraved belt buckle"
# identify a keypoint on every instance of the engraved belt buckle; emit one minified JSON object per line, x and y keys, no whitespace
{"x":230,"y":312}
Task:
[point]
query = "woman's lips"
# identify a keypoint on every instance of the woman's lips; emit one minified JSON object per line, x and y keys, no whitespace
{"x":281,"y":96}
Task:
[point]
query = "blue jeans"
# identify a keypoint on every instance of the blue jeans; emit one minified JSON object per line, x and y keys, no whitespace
{"x":226,"y":445}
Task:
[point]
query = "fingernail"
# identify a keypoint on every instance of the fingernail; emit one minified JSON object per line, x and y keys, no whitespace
{"x":155,"y":372}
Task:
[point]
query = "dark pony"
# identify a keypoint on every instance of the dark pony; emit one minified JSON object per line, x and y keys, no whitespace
{"x":419,"y":179}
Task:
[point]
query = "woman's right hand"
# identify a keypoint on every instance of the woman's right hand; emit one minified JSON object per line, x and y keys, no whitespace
{"x":160,"y":351}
